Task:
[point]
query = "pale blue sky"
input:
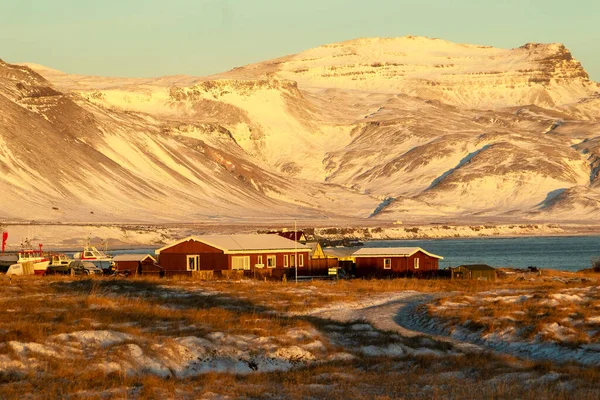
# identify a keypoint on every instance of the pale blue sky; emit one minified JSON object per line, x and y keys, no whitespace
{"x":200,"y":37}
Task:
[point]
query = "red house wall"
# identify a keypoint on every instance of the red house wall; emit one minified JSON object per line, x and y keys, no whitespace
{"x":320,"y":266}
{"x":174,"y":259}
{"x":130,"y":266}
{"x":373,"y":266}
{"x":279,"y":260}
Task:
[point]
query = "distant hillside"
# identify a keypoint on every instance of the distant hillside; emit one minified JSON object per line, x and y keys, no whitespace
{"x":407,"y":128}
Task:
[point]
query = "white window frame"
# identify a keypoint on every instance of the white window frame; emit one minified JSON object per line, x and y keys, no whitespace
{"x":245,"y":263}
{"x":286,"y":261}
{"x":274,"y":258}
{"x":387,"y":263}
{"x":196,"y":259}
{"x":259,"y":262}
{"x":300,"y":260}
{"x":292,"y":260}
{"x":416,"y":263}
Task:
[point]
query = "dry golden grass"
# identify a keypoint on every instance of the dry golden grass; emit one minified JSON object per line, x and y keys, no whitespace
{"x":529,"y":308}
{"x":33,"y":310}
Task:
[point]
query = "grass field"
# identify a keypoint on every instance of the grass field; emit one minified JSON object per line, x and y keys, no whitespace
{"x":63,"y":337}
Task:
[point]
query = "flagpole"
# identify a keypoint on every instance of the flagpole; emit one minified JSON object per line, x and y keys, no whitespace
{"x":295,"y":250}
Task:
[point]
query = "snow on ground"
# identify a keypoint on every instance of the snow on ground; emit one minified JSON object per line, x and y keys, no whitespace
{"x":378,"y":333}
{"x":102,"y":338}
{"x":182,"y":356}
{"x":381,"y":312}
{"x":559,"y":326}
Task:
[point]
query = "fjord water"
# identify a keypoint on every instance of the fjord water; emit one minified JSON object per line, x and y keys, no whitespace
{"x":569,"y":253}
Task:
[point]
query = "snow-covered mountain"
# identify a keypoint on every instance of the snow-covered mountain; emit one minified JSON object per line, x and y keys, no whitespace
{"x":408,"y":128}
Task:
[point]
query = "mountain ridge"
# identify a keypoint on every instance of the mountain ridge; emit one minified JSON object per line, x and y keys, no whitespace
{"x":367,"y":127}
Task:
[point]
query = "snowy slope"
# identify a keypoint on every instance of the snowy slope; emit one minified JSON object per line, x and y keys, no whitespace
{"x":402,"y":128}
{"x":459,"y":74}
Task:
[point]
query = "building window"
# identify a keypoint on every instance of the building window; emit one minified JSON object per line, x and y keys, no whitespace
{"x":416,"y":263}
{"x":271,"y":261}
{"x":301,"y":260}
{"x":285,"y":261}
{"x":240,"y":262}
{"x":193,"y":263}
{"x":259,"y":260}
{"x":292,"y":260}
{"x":387,"y":263}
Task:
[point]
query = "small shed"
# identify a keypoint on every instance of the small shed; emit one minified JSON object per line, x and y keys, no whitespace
{"x":345,"y":258}
{"x":260,"y":254}
{"x":474,"y":271}
{"x":320,"y":262}
{"x":395,"y":261}
{"x":137,"y":264}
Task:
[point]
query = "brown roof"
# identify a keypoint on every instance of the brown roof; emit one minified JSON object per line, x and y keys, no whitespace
{"x":133,"y":257}
{"x":477,"y":267}
{"x":391,"y":252}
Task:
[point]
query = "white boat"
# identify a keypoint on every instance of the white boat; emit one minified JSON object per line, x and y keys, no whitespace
{"x":59,"y":260}
{"x":24,"y":262}
{"x":39,"y":261}
{"x":96,"y":257}
{"x":21,"y":269}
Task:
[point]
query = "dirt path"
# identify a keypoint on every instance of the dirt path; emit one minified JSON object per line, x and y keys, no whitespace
{"x":398,"y":313}
{"x":401,"y":313}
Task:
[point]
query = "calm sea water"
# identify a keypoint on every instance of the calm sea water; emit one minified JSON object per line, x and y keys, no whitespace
{"x":569,"y":253}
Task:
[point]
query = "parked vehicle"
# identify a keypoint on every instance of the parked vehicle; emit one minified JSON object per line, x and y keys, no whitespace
{"x":75,"y":267}
{"x":97,"y":257}
{"x":84,"y":268}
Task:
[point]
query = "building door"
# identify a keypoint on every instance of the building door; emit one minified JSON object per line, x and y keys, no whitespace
{"x":240,"y":262}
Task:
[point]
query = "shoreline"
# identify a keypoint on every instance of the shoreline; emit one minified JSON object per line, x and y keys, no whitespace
{"x":64,"y":237}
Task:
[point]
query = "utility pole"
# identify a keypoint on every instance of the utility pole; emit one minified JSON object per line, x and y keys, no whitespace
{"x":296,"y":250}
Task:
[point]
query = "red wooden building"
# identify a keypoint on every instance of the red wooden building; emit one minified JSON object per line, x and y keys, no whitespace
{"x":320,"y":262}
{"x":137,"y":264}
{"x":394,"y":261}
{"x":234,"y":252}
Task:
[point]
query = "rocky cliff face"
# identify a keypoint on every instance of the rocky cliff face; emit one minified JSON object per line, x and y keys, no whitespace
{"x":407,"y":128}
{"x":458,"y":74}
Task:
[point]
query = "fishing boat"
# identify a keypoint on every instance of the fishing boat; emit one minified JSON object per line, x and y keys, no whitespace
{"x":96,"y":257}
{"x":59,"y":260}
{"x":59,"y":264}
{"x":37,"y":258}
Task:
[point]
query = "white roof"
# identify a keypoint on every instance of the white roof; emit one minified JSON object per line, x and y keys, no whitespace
{"x":339,"y":252}
{"x":391,"y":252}
{"x":132,"y":257}
{"x":244,"y":243}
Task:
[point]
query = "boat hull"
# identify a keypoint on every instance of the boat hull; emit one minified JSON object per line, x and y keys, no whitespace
{"x":6,"y":260}
{"x":39,"y":268}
